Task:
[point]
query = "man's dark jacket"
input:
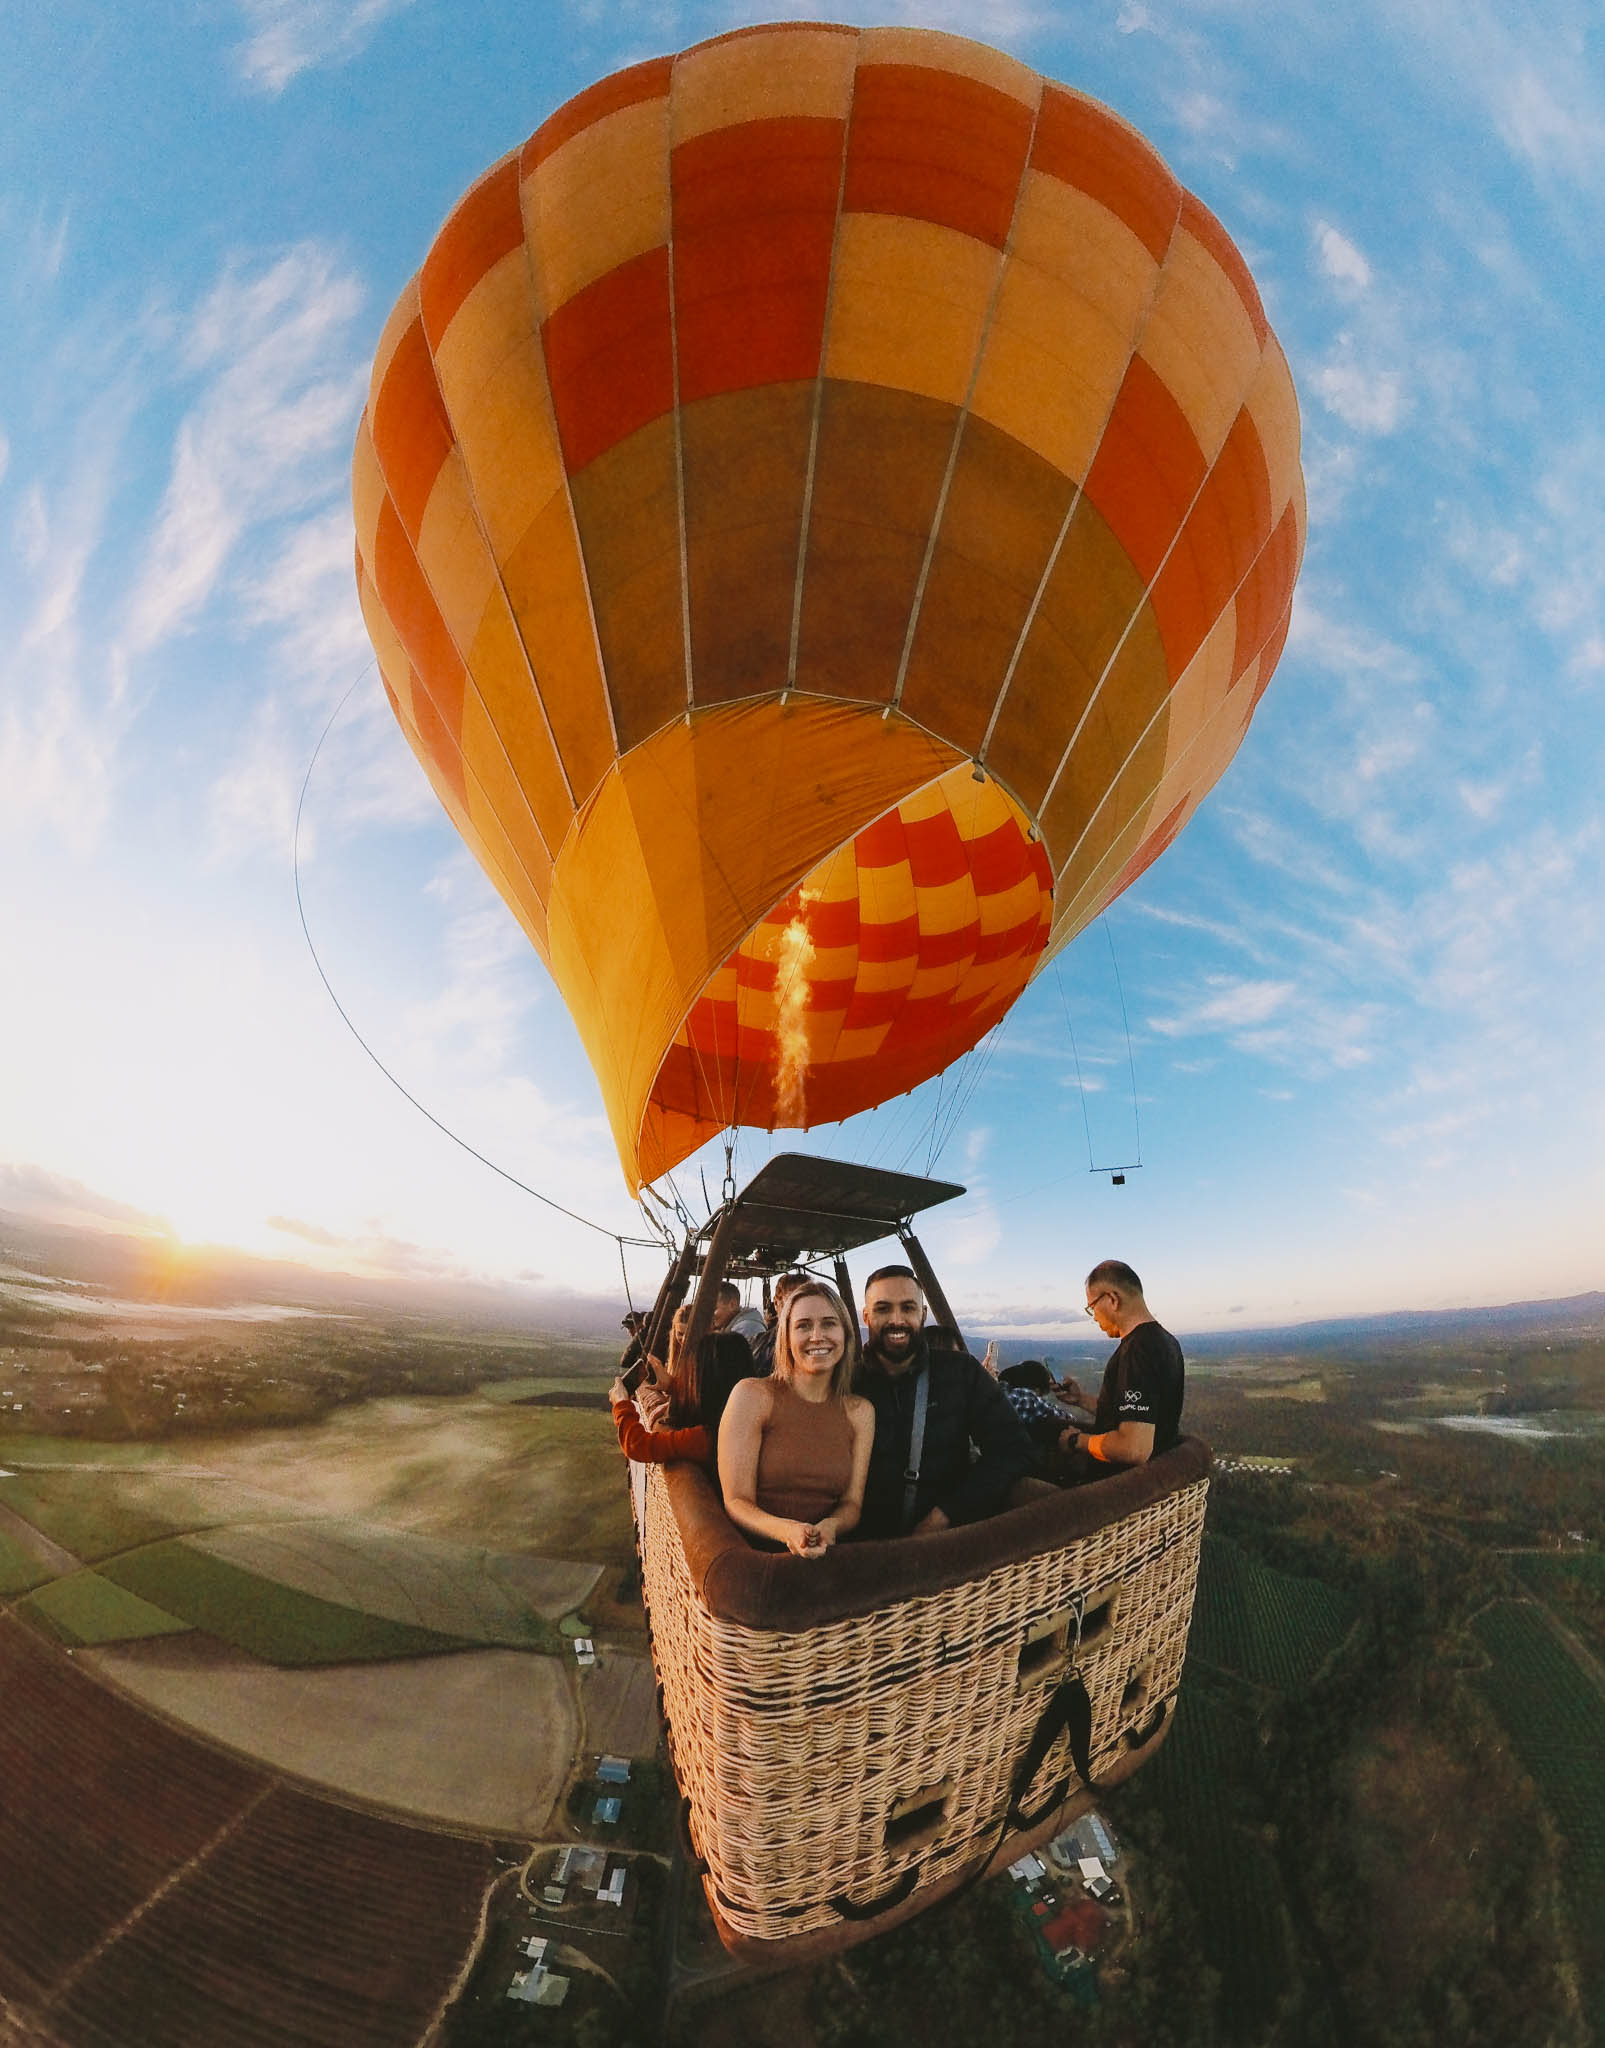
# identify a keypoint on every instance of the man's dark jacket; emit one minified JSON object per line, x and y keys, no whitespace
{"x":966,"y":1406}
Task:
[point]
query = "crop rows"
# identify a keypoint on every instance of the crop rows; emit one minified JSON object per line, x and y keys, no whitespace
{"x":101,"y":1806}
{"x":1263,"y":1625}
{"x":1543,"y":1568}
{"x":1201,"y":1774}
{"x":256,"y":1915}
{"x":1554,"y":1714}
{"x":309,"y":1927}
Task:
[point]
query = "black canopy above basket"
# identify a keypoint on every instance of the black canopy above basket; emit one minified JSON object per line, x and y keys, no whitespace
{"x":796,"y":1211}
{"x":798,"y":1207}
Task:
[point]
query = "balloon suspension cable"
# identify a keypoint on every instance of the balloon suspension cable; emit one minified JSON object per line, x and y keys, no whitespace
{"x":727,"y":1193}
{"x":687,"y":1220}
{"x":655,"y":1225}
{"x":650,"y":1194}
{"x":935,"y":1120}
{"x":1081,"y":1086}
{"x":1131,"y":1058}
{"x":978,"y":1061}
{"x":445,"y":1130}
{"x":1117,"y":1172}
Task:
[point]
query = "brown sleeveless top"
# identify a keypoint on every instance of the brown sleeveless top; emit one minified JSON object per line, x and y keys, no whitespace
{"x":806,"y":1458}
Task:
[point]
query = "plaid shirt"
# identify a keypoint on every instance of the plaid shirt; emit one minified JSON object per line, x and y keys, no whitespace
{"x":1031,"y":1407}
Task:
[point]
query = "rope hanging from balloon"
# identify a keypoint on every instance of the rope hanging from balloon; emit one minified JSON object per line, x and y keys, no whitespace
{"x":400,"y":1087}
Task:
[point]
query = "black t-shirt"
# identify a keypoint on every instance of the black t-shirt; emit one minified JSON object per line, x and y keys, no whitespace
{"x":1143,"y":1383}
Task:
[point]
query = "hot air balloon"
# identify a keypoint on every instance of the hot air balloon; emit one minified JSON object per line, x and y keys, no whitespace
{"x":827,"y":509}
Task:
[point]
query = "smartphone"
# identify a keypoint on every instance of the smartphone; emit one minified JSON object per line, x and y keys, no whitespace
{"x":635,"y":1375}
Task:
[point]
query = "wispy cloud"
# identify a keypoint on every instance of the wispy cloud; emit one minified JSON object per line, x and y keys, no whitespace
{"x":1229,"y":1006}
{"x":36,"y":1191}
{"x":1542,"y":544}
{"x":278,"y":399}
{"x":302,"y":600}
{"x":64,"y":713}
{"x":472,"y":1025}
{"x":1533,"y":73}
{"x":1339,"y":259}
{"x":287,"y":37}
{"x":1364,"y":394}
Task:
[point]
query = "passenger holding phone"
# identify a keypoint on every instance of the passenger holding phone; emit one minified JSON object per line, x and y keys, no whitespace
{"x":670,"y":1413}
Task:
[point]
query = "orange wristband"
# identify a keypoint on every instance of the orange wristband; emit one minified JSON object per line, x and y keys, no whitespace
{"x":1093,"y":1446}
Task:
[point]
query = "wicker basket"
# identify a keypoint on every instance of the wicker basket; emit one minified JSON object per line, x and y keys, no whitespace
{"x":845,"y":1731}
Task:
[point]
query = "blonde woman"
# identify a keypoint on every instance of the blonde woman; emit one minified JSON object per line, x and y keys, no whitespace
{"x":794,"y":1448}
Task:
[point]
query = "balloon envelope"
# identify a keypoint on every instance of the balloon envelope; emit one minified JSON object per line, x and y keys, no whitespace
{"x":827,"y":508}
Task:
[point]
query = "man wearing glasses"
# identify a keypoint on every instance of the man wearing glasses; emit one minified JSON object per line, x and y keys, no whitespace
{"x":1139,"y":1404}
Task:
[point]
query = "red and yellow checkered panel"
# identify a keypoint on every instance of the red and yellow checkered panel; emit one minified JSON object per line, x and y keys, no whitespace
{"x":921,"y":931}
{"x":849,"y":406}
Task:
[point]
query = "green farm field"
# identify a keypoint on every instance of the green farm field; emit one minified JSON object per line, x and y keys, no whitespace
{"x":1262,"y":1625}
{"x":395,"y":1528}
{"x":86,"y":1609}
{"x":273,"y":1622}
{"x":536,"y":1481}
{"x":1554,"y":1713}
{"x":508,"y":1393}
{"x":1198,"y":1777}
{"x":543,"y":1481}
{"x":98,"y":1513}
{"x":1573,"y":1587}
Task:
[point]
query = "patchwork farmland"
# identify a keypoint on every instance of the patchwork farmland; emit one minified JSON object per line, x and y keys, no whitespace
{"x":161,"y":1894}
{"x":225,"y":1674}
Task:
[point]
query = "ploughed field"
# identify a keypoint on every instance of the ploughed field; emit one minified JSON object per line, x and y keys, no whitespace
{"x":161,"y":1894}
{"x":270,"y":1702}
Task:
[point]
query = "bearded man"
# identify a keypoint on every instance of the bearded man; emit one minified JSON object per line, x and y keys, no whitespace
{"x":933,"y":1409}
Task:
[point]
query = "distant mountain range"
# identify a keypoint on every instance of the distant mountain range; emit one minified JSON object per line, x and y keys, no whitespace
{"x":143,"y":1265}
{"x":1579,"y":1315}
{"x":1576,"y":1315}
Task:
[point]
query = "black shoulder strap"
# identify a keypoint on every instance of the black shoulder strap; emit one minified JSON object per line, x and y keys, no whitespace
{"x":916,"y":1445}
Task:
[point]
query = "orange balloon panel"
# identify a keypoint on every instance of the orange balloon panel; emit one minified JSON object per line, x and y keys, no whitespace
{"x":827,"y":508}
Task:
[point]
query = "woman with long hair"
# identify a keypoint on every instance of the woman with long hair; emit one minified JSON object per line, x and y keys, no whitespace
{"x":675,"y":1416}
{"x":794,"y":1448}
{"x":670,"y":1395}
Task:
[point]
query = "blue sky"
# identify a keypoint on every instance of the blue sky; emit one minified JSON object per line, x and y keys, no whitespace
{"x":1365,"y":988}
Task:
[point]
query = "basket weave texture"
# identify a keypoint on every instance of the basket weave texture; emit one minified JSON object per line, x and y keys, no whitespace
{"x":840,"y":1763}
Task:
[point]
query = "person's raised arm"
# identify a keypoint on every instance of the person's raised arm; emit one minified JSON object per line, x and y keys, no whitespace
{"x":647,"y":1446}
{"x":740,"y":1442}
{"x":844,"y":1516}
